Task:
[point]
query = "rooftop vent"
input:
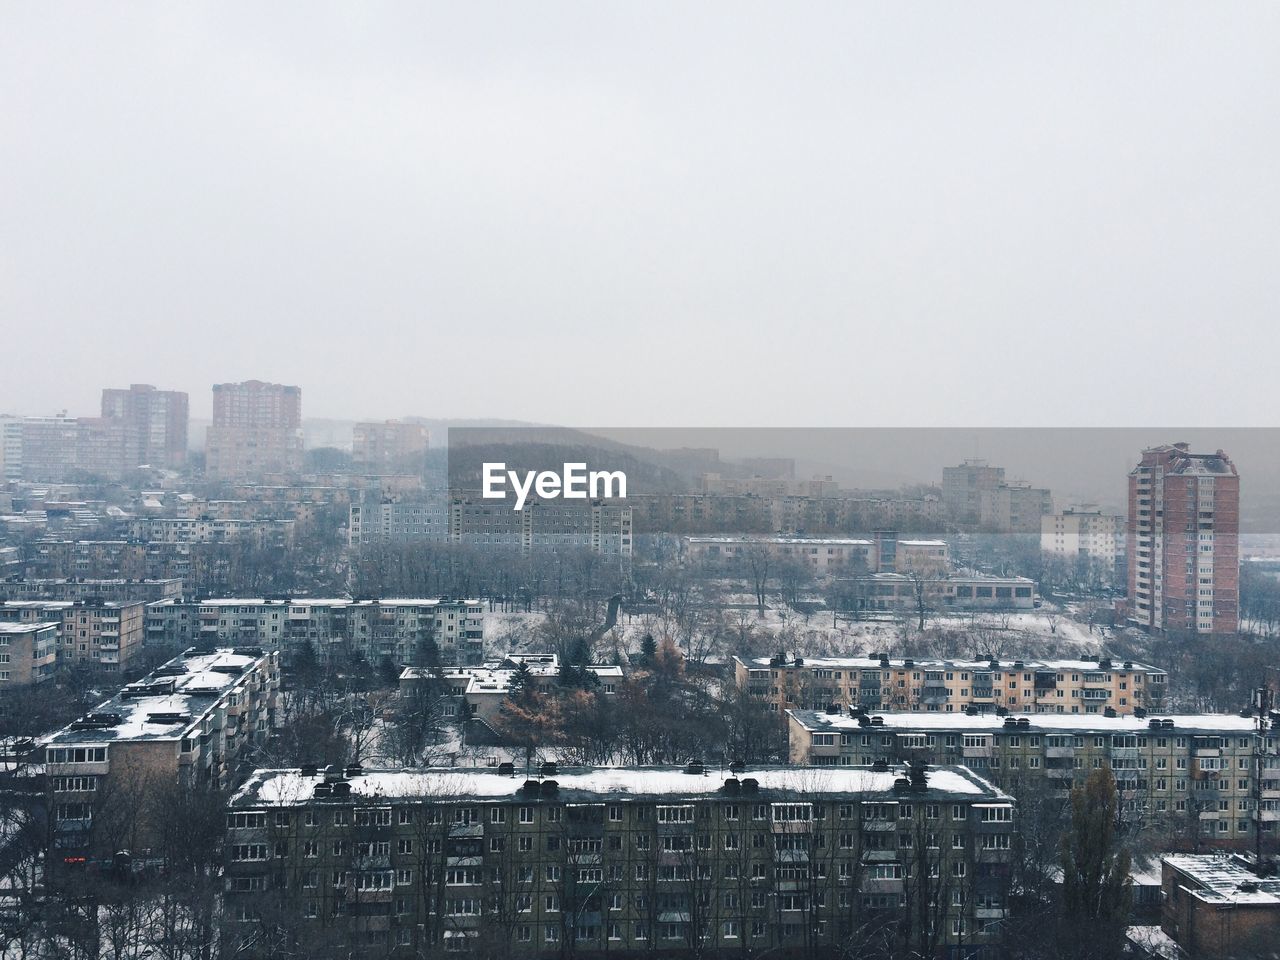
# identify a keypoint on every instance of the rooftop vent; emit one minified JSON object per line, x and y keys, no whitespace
{"x":550,"y":788}
{"x":833,"y":709}
{"x":547,"y":770}
{"x":877,"y":721}
{"x":695,"y":768}
{"x":332,"y":774}
{"x":881,"y":765}
{"x":530,"y":786}
{"x":1010,"y":723}
{"x":732,"y":786}
{"x":322,"y":790}
{"x":1109,"y":712}
{"x":750,"y":786}
{"x":1024,"y":722}
{"x":309,"y":770}
{"x":506,"y":769}
{"x":341,"y":789}
{"x":353,"y":770}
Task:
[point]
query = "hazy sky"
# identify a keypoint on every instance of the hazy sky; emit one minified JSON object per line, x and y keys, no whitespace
{"x":648,"y":214}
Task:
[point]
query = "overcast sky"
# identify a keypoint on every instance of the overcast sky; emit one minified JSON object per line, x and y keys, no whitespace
{"x":648,"y":214}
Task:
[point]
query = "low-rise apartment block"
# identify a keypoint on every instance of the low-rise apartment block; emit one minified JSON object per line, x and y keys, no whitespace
{"x":827,"y":555}
{"x":188,"y":722}
{"x":953,"y":686}
{"x":599,"y":526}
{"x":78,"y":588}
{"x":1195,"y":774}
{"x":28,"y":653}
{"x":402,"y":630}
{"x":908,"y":592}
{"x":480,"y":691}
{"x":260,"y":533}
{"x":633,"y":861}
{"x":104,"y":634}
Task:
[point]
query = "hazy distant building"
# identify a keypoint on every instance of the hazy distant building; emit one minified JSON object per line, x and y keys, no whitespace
{"x":1083,"y":533}
{"x":155,"y":423}
{"x":256,"y":430}
{"x":41,"y":448}
{"x":1184,"y":541}
{"x":825,"y":555}
{"x":388,"y":447}
{"x":963,"y":488}
{"x":599,"y":526}
{"x":1015,"y":507}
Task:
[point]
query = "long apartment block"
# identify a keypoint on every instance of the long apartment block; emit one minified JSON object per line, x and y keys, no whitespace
{"x":950,"y":686}
{"x":1211,"y":775}
{"x":395,"y":628}
{"x":626,"y":860}
{"x":190,"y":721}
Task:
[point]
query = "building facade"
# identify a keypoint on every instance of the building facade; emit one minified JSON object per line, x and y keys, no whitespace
{"x":374,"y":520}
{"x":602,"y":527}
{"x":904,"y":593}
{"x":189,"y":722}
{"x":28,"y":653}
{"x":827,"y":555}
{"x":1083,"y":533}
{"x":388,"y":447}
{"x":402,"y":630}
{"x":155,"y":422}
{"x":953,"y":686}
{"x":256,"y":431}
{"x":1184,"y":541}
{"x":1218,"y":908}
{"x":632,"y":861}
{"x":1194,"y":775}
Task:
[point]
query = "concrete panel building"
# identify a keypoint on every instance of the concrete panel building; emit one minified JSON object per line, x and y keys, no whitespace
{"x":256,"y":431}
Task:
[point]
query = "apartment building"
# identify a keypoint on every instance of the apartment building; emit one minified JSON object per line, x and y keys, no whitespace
{"x":964,"y":487}
{"x":202,"y":567}
{"x":602,"y":527}
{"x":191,"y":721}
{"x":953,"y":686}
{"x":256,"y":431}
{"x":391,"y":446}
{"x":483,"y":688}
{"x":632,"y":861}
{"x":63,"y":588}
{"x":155,"y":424}
{"x":105,"y":634}
{"x":1184,"y":541}
{"x":28,"y":653}
{"x":259,"y":533}
{"x":901,"y":592}
{"x":706,"y":514}
{"x":378,"y":520}
{"x":826,"y":555}
{"x":1014,"y":507}
{"x":1218,"y":908}
{"x":402,"y":630}
{"x":1194,"y":774}
{"x":1083,"y":533}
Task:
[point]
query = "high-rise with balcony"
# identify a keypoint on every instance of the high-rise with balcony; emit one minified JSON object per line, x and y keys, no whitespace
{"x":256,"y":431}
{"x":1184,"y":536}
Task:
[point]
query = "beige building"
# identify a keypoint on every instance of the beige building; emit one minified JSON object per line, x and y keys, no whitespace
{"x":389,"y":447}
{"x":1194,"y":775}
{"x":827,"y":555}
{"x":908,"y":592}
{"x":1083,"y":533}
{"x":952,"y":686}
{"x":397,"y":629}
{"x":28,"y":653}
{"x":189,"y":722}
{"x":256,"y":431}
{"x":632,"y":861}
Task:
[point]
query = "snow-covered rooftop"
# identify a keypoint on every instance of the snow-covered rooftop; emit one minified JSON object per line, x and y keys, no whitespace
{"x":285,"y":787}
{"x":1218,"y":878}
{"x":165,"y":704}
{"x":1215,"y":723}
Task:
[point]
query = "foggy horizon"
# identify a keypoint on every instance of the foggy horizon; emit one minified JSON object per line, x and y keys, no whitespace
{"x":942,"y":216}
